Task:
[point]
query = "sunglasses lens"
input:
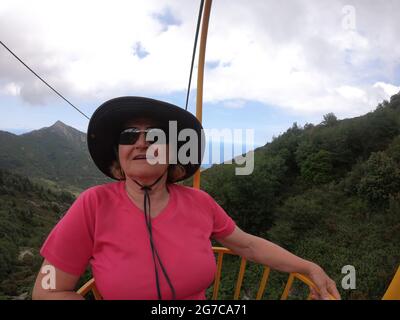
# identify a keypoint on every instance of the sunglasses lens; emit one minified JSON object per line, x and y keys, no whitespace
{"x":129,"y":136}
{"x":152,"y":135}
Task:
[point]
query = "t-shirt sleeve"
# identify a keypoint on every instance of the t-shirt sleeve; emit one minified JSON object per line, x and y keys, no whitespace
{"x":69,"y":245}
{"x":223,"y":223}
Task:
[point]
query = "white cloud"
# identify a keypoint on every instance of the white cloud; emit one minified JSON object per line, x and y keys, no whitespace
{"x":294,"y":54}
{"x":11,"y":89}
{"x":387,"y":88}
{"x":234,"y":104}
{"x":349,"y":92}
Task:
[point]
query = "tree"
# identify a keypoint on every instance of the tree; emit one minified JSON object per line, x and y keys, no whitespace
{"x":330,"y":119}
{"x":381,"y":179}
{"x":317,"y":168}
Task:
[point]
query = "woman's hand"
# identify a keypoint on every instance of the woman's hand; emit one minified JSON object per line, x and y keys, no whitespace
{"x":326,"y":286}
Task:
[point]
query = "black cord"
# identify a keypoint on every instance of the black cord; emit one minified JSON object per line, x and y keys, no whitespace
{"x":149,"y":229}
{"x":154,"y":251}
{"x":59,"y":94}
{"x":194,"y":51}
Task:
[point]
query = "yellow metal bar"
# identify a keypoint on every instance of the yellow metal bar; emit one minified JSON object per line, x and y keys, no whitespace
{"x":196,"y":180}
{"x":200,"y":74}
{"x":86,"y":288}
{"x":222,"y":249}
{"x":240,"y":279}
{"x":263,"y":283}
{"x":288,"y":286}
{"x":90,"y":286}
{"x":96,"y":293}
{"x":310,"y":284}
{"x":217,"y":275}
{"x":393,"y":291}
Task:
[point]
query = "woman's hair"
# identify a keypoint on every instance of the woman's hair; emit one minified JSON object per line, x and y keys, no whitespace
{"x":175,"y":172}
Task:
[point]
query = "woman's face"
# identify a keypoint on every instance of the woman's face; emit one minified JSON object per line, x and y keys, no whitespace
{"x":136,"y":160}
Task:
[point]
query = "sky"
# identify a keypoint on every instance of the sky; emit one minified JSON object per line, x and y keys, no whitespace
{"x":268,"y":63}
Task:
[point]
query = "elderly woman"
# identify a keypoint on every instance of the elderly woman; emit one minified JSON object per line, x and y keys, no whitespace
{"x":146,"y":237}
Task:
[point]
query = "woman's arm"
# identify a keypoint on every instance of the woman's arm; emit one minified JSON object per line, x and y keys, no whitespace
{"x":64,"y":285}
{"x":265,"y":252}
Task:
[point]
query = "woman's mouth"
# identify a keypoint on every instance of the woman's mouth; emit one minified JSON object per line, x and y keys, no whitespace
{"x":140,"y":157}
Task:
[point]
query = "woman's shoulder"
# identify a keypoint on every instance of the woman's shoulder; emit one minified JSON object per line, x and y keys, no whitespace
{"x":101,"y":191}
{"x":189,"y":192}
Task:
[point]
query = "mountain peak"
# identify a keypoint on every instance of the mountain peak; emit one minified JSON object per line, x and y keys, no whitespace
{"x":59,"y":123}
{"x":66,"y":131}
{"x":62,"y":127}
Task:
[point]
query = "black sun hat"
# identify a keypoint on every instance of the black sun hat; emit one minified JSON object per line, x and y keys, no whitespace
{"x":109,"y":119}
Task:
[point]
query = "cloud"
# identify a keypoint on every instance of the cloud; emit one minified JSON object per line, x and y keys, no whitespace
{"x":387,"y":88}
{"x":296,"y":55}
{"x":349,"y":92}
{"x":309,"y":64}
{"x":11,"y":89}
{"x":234,"y":104}
{"x":91,"y":55}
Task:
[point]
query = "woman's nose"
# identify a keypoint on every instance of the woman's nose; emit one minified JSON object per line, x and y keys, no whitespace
{"x":141,"y":142}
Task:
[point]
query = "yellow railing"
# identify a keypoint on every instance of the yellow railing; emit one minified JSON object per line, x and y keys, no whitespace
{"x":393,"y":291}
{"x":90,"y":286}
{"x":220,"y":251}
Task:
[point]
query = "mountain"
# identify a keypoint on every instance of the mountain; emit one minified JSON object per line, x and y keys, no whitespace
{"x":53,"y":154}
{"x":59,"y":129}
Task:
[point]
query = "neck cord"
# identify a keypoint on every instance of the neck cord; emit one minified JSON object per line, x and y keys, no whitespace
{"x":147,"y":189}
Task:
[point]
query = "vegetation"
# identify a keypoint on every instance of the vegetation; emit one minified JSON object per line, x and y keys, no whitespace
{"x":27,"y":214}
{"x":329,"y":193}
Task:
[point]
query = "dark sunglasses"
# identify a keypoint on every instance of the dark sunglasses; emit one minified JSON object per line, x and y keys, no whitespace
{"x":131,"y":135}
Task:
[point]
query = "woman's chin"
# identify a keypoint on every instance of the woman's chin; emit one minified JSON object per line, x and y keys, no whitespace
{"x":145,"y":171}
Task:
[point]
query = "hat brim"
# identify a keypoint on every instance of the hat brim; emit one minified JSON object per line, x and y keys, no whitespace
{"x":109,"y":119}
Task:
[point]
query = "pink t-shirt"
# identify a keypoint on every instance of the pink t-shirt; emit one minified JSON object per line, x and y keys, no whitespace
{"x":106,"y":229}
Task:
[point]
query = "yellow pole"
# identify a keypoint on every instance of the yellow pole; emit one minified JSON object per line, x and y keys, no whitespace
{"x":200,"y":75}
{"x":393,"y":292}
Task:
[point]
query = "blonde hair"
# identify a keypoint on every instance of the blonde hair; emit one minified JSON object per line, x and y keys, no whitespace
{"x":175,"y":172}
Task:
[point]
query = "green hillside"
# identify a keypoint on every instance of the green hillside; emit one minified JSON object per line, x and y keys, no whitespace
{"x":327,"y":192}
{"x":27,"y":214}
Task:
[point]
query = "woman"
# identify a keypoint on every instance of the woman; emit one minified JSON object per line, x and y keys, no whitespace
{"x":144,"y":236}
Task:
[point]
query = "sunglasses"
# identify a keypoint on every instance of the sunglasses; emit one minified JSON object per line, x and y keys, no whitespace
{"x":131,"y":135}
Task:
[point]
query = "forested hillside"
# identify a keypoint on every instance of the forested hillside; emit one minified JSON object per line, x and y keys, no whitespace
{"x":27,"y":214}
{"x":327,"y":192}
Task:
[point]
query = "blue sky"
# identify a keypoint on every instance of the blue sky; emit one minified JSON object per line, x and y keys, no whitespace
{"x":267,"y":65}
